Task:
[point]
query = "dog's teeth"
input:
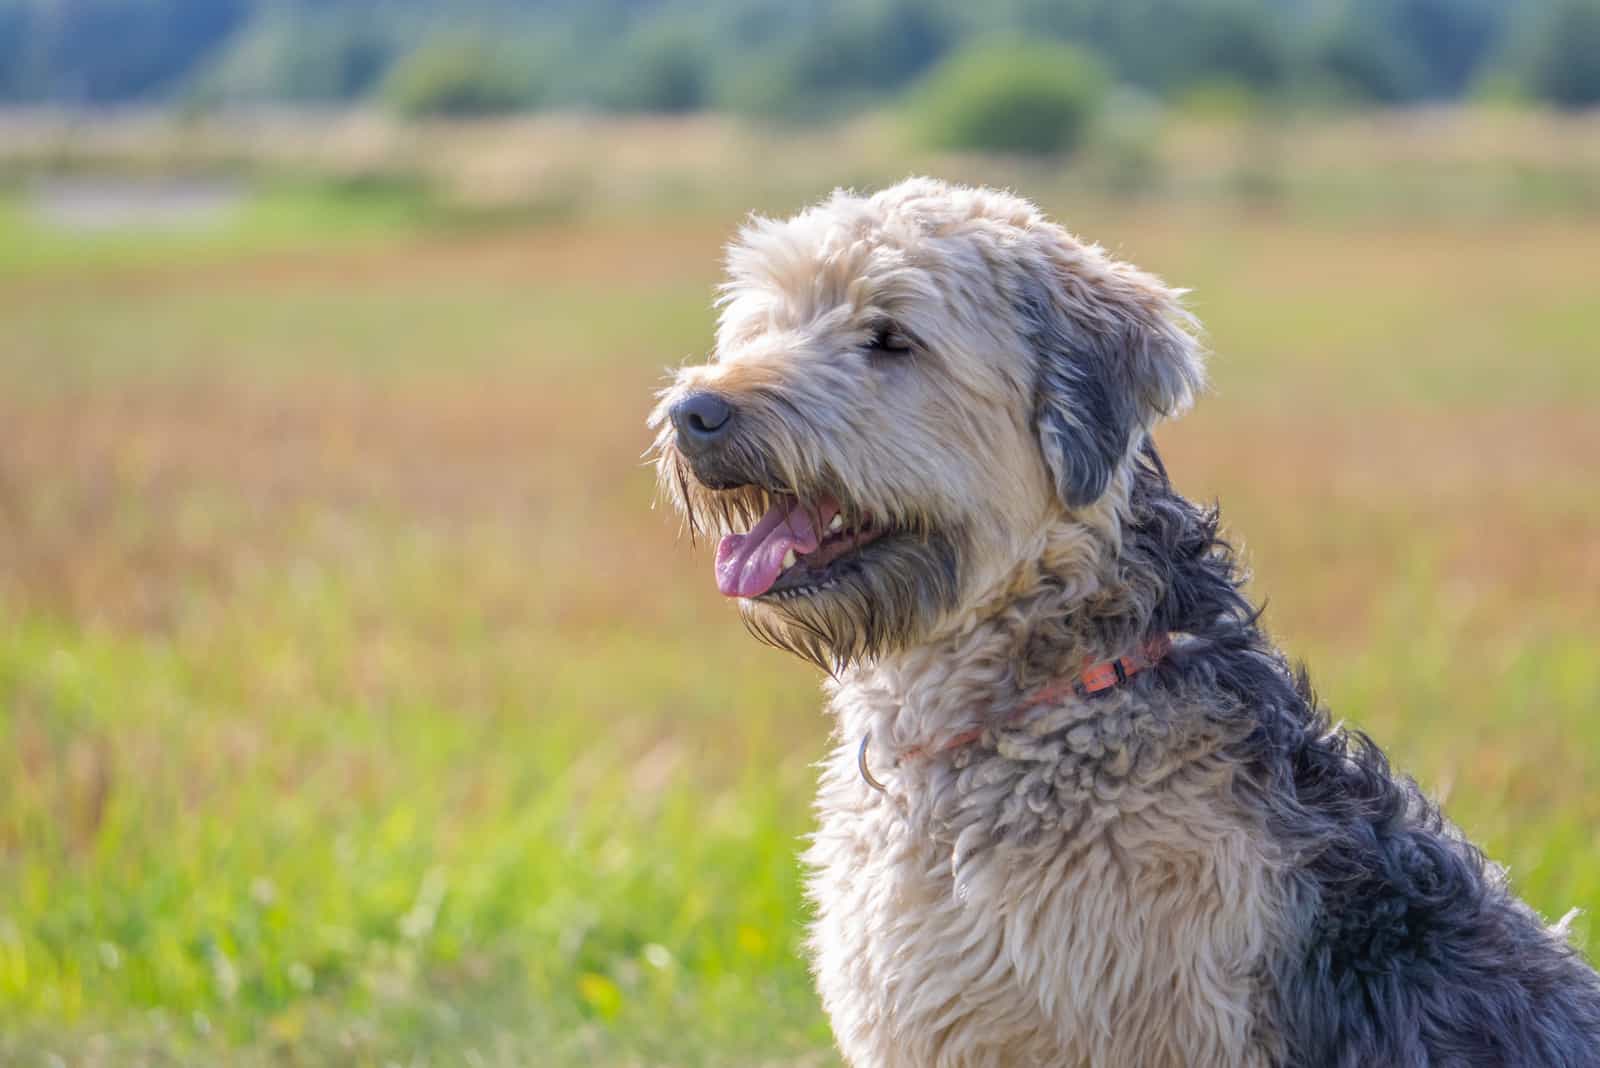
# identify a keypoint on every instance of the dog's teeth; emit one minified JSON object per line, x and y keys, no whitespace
{"x":788,"y":559}
{"x":837,"y":524}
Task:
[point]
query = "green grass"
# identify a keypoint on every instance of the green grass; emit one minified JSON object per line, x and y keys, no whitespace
{"x":356,"y":708}
{"x":385,"y":881}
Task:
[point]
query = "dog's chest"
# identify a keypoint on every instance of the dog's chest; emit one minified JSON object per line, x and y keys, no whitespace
{"x":1127,"y":930}
{"x":909,"y":972}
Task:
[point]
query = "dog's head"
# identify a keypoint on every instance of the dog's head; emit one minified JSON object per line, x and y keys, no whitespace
{"x":908,"y":392}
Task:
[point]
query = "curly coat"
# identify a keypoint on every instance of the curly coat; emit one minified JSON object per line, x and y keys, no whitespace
{"x":1194,"y":868}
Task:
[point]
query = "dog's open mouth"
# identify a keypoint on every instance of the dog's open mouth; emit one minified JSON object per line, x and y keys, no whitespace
{"x":793,"y":549}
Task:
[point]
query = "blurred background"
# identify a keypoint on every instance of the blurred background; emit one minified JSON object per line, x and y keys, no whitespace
{"x":355,"y":705}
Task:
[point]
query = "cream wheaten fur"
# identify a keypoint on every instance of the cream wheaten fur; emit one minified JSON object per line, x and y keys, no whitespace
{"x":924,"y":437}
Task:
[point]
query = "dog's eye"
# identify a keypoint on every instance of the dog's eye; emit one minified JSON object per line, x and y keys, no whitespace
{"x":888,"y":340}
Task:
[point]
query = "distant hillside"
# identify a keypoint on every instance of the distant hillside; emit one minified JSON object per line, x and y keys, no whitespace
{"x":786,"y":58}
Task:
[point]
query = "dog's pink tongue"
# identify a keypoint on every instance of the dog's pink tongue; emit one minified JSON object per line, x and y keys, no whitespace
{"x":748,"y":564}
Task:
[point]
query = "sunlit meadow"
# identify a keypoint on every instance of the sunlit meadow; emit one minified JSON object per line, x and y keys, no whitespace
{"x":356,"y":707}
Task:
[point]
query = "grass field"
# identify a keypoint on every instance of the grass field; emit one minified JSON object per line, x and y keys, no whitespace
{"x":355,"y":706}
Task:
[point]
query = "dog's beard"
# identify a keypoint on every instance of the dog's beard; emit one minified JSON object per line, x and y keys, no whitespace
{"x":883,"y":597}
{"x":897,"y":579}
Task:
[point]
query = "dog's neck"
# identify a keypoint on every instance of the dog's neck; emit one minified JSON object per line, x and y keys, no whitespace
{"x":1064,"y":607}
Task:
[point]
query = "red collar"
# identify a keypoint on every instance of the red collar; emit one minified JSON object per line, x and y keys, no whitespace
{"x":1107,"y":673}
{"x":1094,"y":678}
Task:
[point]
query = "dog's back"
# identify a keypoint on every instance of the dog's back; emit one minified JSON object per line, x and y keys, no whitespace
{"x":1409,"y":948}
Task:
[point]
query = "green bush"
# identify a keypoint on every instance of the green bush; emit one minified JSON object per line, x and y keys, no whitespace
{"x":1563,"y":62}
{"x":662,"y":72}
{"x":456,"y":79}
{"x":831,"y":66}
{"x":297,"y":54}
{"x":1025,"y":99}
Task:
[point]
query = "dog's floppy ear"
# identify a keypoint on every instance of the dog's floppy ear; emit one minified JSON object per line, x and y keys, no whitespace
{"x":1116,"y":351}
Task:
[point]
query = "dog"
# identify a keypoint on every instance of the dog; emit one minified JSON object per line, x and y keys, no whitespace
{"x":1080,"y":811}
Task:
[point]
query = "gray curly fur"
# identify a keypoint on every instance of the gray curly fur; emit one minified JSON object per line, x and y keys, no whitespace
{"x":1416,"y":952}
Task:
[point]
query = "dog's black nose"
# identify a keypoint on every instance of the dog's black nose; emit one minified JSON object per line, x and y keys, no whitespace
{"x":701,"y":419}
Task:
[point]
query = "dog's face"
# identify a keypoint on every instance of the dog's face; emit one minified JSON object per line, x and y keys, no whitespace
{"x":907,"y":390}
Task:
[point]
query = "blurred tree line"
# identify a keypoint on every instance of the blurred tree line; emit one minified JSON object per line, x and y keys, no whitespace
{"x":789,"y":59}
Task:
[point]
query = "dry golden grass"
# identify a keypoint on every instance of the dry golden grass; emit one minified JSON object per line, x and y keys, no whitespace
{"x":1449,"y":160}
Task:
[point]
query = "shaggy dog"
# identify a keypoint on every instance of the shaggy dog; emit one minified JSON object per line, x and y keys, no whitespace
{"x":1080,"y":810}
